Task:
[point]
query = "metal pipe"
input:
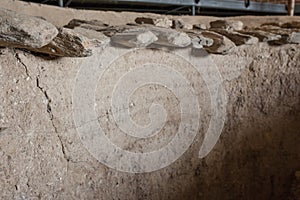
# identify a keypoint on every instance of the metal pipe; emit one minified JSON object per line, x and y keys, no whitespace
{"x":247,"y":3}
{"x":193,"y":10}
{"x":291,"y":7}
{"x":61,"y":3}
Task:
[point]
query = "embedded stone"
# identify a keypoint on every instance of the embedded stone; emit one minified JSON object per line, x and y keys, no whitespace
{"x":170,"y":37}
{"x":294,"y":38}
{"x":180,"y":24}
{"x":91,"y":24}
{"x":161,"y":22}
{"x":293,"y":24}
{"x":200,"y":41}
{"x":263,"y":36}
{"x":221,"y":44}
{"x":200,"y":26}
{"x":238,"y":38}
{"x":227,"y":24}
{"x":134,"y":38}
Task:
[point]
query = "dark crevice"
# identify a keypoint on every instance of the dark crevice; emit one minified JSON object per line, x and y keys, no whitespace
{"x":63,"y":148}
{"x":49,"y":111}
{"x":23,"y":64}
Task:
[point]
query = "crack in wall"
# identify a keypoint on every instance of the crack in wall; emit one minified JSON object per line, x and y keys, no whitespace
{"x":49,"y":101}
{"x":49,"y":111}
{"x":22,"y":63}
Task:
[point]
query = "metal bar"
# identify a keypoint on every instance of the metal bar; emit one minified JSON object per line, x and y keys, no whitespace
{"x":218,"y":4}
{"x":237,"y":5}
{"x":240,"y":5}
{"x":176,"y":9}
{"x":161,"y":2}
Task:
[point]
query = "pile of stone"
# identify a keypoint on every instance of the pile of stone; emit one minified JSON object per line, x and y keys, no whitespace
{"x":78,"y":37}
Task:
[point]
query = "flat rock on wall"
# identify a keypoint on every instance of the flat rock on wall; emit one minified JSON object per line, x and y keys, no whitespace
{"x":78,"y":37}
{"x":17,"y":30}
{"x":67,"y":43}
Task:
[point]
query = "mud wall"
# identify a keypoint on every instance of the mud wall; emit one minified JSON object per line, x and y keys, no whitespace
{"x":256,"y":156}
